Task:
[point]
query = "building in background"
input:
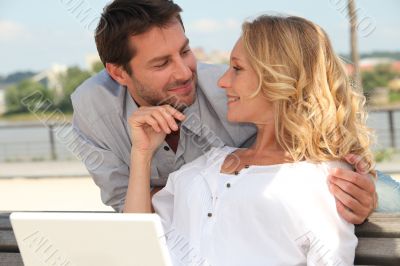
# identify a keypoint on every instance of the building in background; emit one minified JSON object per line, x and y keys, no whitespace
{"x":51,"y":77}
{"x":215,"y":57}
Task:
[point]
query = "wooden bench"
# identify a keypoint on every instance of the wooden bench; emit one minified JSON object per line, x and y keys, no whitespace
{"x":379,"y":241}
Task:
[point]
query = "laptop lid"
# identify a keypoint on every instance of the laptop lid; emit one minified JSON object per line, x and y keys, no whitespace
{"x":85,"y":239}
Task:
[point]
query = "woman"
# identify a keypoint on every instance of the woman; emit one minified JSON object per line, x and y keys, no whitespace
{"x":270,"y":204}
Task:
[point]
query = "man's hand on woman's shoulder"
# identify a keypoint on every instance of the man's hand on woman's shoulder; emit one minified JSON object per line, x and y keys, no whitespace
{"x":354,"y":191}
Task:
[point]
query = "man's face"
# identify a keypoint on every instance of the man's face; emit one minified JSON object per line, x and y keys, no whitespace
{"x":163,"y":68}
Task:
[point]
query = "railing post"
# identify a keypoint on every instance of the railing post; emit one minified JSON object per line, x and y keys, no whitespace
{"x":53,"y":154}
{"x":392,"y":130}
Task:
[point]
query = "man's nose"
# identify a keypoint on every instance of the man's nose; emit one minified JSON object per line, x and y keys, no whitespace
{"x":182,"y":71}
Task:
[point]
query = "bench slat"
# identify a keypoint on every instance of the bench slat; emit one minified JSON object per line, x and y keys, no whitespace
{"x":5,"y":222}
{"x":379,"y":251}
{"x":385,"y":215}
{"x":380,"y":226}
{"x":11,"y":259}
{"x":8,"y":243}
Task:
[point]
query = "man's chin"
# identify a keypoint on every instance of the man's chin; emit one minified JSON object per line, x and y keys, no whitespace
{"x":181,"y":101}
{"x":184,"y":101}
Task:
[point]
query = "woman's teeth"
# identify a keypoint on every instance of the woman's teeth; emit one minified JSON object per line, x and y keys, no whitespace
{"x":233,"y":99}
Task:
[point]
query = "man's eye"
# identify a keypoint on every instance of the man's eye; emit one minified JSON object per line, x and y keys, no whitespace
{"x":162,"y":64}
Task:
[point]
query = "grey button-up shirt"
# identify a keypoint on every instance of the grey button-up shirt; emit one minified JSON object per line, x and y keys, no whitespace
{"x":102,"y":134}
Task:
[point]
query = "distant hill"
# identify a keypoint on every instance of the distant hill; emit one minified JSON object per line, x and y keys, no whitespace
{"x":16,"y":77}
{"x":377,"y":54}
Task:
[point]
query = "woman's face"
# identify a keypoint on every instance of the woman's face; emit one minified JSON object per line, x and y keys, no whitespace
{"x":240,"y":82}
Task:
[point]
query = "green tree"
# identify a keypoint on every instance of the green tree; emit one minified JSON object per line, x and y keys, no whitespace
{"x":26,"y":96}
{"x":378,"y":77}
{"x":97,"y":67}
{"x":69,"y":82}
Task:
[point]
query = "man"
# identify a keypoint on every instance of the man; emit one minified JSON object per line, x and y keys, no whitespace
{"x":150,"y":69}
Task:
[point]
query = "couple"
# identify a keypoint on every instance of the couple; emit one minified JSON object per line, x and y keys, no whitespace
{"x":267,"y":202}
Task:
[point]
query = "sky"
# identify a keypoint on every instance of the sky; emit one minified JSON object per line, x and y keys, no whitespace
{"x":35,"y":35}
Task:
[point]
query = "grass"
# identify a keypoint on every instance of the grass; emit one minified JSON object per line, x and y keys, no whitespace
{"x":384,"y":155}
{"x":394,"y":96}
{"x":29,"y":117}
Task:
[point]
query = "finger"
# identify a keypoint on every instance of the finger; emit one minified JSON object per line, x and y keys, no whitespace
{"x":169,"y":118}
{"x":348,"y":215}
{"x":153,"y":123}
{"x":364,"y":197}
{"x":362,"y":181}
{"x":360,"y":165}
{"x":348,"y":201}
{"x":161,"y":121}
{"x":141,"y":118}
{"x":174,"y":112}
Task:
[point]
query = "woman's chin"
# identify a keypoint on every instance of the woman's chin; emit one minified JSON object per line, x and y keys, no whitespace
{"x":234,"y":118}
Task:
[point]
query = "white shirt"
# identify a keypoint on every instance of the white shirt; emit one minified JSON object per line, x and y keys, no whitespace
{"x":266,"y":215}
{"x":102,"y":139}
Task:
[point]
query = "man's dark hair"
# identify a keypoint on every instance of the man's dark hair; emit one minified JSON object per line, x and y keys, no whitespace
{"x":124,"y":18}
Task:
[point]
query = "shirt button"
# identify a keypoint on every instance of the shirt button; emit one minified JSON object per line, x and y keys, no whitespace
{"x":166,"y":148}
{"x":209,"y":214}
{"x":228,"y":185}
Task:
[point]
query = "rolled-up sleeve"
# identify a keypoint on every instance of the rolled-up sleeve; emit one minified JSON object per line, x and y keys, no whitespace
{"x":108,"y":171}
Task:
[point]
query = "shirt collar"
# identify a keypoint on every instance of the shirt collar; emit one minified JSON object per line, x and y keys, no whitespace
{"x":130,"y":107}
{"x":192,"y":113}
{"x":193,"y":116}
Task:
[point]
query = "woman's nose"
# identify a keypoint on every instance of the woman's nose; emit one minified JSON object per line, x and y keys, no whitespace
{"x":223,"y":81}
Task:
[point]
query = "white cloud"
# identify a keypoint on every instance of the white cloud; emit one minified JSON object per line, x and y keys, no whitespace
{"x":10,"y":31}
{"x":207,"y":25}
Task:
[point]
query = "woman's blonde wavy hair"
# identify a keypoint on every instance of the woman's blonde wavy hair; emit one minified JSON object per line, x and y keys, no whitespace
{"x":318,"y":115}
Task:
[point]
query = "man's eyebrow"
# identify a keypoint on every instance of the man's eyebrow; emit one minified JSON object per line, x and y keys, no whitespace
{"x":185,"y":44}
{"x":164,"y":57}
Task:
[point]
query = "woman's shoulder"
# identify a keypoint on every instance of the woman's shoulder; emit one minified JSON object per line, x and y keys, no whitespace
{"x":327,"y":165}
{"x":322,"y":167}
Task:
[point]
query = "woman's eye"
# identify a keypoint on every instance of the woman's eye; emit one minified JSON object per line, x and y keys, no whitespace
{"x":236,"y":68}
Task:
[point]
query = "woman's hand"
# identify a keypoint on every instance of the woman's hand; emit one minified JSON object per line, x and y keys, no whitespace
{"x":150,"y":125}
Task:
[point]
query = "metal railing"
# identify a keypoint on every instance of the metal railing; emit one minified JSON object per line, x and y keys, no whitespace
{"x":48,"y":147}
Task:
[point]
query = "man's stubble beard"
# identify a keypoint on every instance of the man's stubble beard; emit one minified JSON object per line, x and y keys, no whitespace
{"x":154,"y":99}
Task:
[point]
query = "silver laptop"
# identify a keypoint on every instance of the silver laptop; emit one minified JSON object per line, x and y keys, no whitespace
{"x":86,"y":239}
